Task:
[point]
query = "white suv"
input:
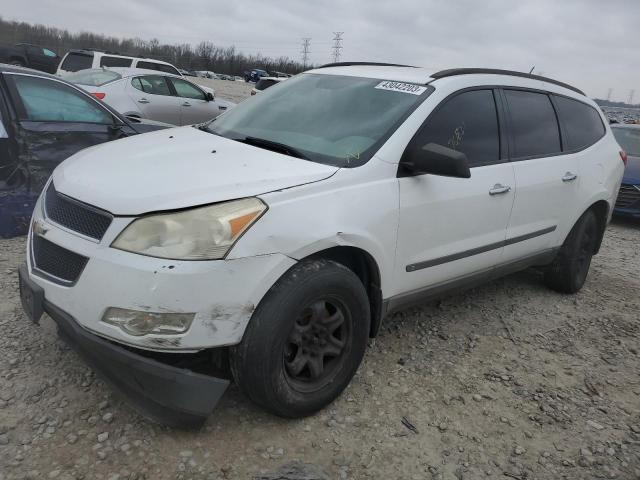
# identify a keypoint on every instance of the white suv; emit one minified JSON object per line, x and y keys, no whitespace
{"x":278,"y":236}
{"x":76,"y":60}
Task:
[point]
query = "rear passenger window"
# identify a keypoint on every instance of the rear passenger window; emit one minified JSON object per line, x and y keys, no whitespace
{"x":155,"y":85}
{"x":77,"y":61}
{"x":582,"y":123}
{"x":534,"y":126}
{"x":107,"y":61}
{"x":467,"y":123}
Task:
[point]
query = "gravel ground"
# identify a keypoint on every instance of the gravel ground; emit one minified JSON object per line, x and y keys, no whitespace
{"x":509,"y":380}
{"x":234,"y":91}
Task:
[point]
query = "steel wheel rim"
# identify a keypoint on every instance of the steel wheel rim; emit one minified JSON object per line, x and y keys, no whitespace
{"x":317,"y":345}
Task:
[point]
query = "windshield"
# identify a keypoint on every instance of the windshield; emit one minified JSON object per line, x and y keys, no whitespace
{"x":629,"y":140}
{"x":331,"y":119}
{"x":93,"y":77}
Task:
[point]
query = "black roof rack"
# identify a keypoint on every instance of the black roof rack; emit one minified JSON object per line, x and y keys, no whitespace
{"x":373,"y":64}
{"x":495,"y":71}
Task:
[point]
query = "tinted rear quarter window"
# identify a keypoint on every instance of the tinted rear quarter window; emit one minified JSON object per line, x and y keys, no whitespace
{"x":77,"y":61}
{"x":160,"y":67}
{"x":581,"y":122}
{"x":263,"y":84}
{"x":467,"y":123}
{"x":108,"y":61}
{"x":534,"y":127}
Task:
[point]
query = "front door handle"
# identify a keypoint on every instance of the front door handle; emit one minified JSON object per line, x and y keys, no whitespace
{"x":499,"y":189}
{"x":186,"y":104}
{"x":569,"y":177}
{"x":143,"y":100}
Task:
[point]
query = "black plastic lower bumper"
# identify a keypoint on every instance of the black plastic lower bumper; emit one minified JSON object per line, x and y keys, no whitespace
{"x":170,"y":395}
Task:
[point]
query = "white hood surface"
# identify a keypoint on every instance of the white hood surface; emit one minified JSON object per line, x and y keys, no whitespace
{"x":178,"y":168}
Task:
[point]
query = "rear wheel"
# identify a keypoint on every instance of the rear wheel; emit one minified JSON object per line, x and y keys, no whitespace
{"x":17,"y":63}
{"x":569,"y":270}
{"x":305,"y":341}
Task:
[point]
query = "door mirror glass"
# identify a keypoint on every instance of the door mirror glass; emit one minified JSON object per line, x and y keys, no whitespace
{"x":438,"y":160}
{"x":209,"y":96}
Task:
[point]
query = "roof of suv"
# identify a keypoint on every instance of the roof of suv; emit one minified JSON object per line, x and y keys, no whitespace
{"x":406,"y":73}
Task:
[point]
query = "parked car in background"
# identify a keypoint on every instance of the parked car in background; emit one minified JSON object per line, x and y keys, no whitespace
{"x":31,"y":56}
{"x":76,"y":60}
{"x":147,"y":94}
{"x":44,"y":120}
{"x":275,"y":238}
{"x":628,"y":202}
{"x":254,"y":75}
{"x":265,"y":82}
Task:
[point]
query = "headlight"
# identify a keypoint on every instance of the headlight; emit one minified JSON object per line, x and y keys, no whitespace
{"x":204,"y":233}
{"x":139,"y":323}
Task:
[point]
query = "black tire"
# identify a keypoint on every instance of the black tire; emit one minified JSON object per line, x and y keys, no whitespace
{"x":17,"y":63}
{"x":276,"y":364}
{"x":569,"y":270}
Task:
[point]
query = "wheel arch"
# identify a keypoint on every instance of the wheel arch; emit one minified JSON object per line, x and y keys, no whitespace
{"x":364,"y":265}
{"x":601,"y":209}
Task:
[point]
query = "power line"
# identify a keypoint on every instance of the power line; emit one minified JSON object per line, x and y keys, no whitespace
{"x":306,"y":43}
{"x":337,"y":46}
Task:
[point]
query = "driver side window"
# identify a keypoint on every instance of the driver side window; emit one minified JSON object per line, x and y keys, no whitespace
{"x":468,"y":123}
{"x":44,"y":100}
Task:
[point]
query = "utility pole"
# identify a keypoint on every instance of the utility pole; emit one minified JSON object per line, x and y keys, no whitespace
{"x":609,"y":94}
{"x":337,"y":46}
{"x":306,"y":43}
{"x":631,"y":93}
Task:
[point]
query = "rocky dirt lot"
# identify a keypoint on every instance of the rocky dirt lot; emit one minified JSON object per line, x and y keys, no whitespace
{"x":234,"y":91}
{"x":509,"y":380}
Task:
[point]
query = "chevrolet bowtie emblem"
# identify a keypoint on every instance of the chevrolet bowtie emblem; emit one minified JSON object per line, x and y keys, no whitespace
{"x":39,"y":228}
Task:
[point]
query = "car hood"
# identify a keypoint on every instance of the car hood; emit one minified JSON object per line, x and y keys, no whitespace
{"x":178,"y":168}
{"x":632,"y":172}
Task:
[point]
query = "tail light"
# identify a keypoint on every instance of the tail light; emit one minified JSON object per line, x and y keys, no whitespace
{"x":98,"y":95}
{"x":623,"y":156}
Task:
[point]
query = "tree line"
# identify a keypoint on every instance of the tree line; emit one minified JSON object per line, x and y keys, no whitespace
{"x":204,"y":56}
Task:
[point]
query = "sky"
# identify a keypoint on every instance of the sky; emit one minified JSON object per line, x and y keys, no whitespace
{"x":591,"y":44}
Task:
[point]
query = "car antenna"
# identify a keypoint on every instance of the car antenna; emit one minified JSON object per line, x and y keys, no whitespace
{"x":531,"y":71}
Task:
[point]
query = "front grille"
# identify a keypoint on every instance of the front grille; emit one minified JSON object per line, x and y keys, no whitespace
{"x":628,"y":196}
{"x":75,"y":215}
{"x":55,"y":261}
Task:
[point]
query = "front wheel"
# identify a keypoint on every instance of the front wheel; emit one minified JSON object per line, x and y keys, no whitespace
{"x":569,"y":270}
{"x":305,"y":340}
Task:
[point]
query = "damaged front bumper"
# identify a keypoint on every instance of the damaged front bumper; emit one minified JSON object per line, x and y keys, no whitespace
{"x":167,"y":394}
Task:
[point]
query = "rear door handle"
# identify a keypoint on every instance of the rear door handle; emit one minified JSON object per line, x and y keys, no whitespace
{"x":143,"y":100}
{"x":499,"y":189}
{"x":569,"y":177}
{"x":186,"y":104}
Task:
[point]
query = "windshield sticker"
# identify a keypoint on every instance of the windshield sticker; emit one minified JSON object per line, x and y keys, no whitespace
{"x":401,"y":87}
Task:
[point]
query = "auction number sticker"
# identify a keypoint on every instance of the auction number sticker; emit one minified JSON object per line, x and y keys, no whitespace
{"x":401,"y":87}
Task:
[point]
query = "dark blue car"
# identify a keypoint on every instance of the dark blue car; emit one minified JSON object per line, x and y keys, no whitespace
{"x":628,"y":203}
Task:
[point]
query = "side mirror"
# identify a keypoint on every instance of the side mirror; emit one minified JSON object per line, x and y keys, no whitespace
{"x":437,"y":160}
{"x":209,"y":96}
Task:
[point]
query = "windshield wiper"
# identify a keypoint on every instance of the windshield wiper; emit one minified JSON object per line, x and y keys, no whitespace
{"x":274,"y":146}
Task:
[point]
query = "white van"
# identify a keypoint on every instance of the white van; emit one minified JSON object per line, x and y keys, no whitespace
{"x":276,"y":238}
{"x":76,"y":60}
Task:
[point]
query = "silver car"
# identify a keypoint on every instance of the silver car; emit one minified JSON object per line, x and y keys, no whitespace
{"x":149,"y":94}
